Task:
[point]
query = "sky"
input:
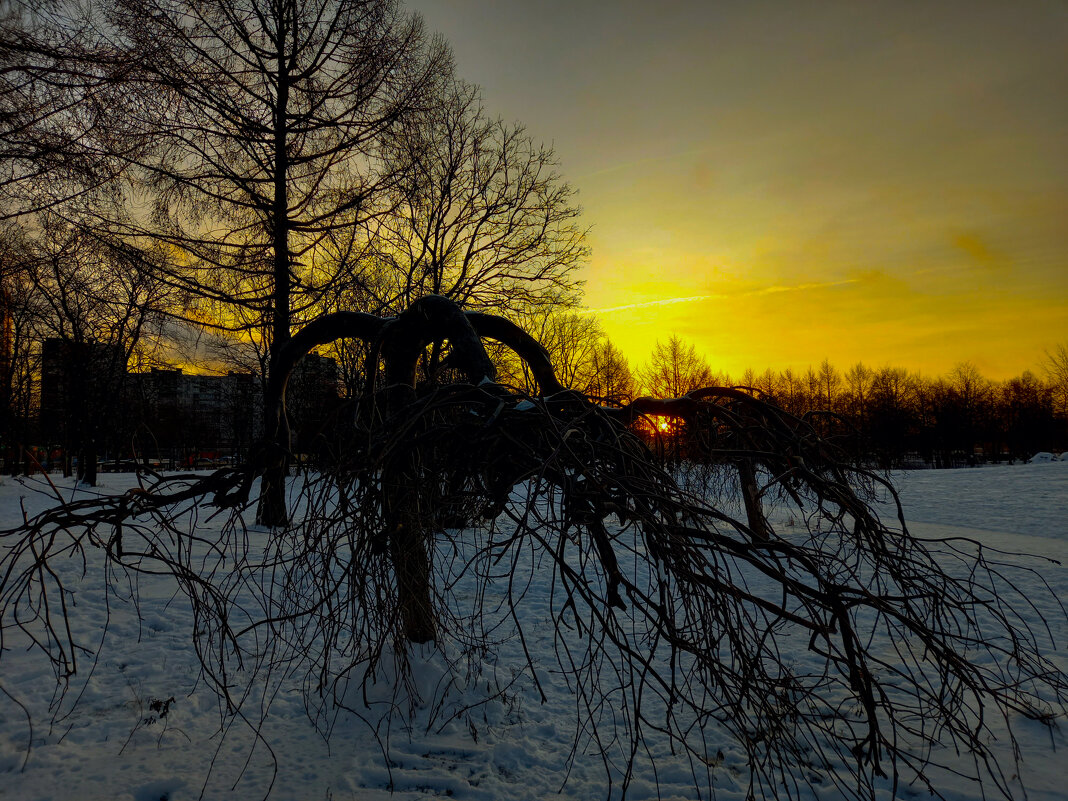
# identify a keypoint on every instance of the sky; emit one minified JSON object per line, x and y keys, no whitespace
{"x":783,"y":182}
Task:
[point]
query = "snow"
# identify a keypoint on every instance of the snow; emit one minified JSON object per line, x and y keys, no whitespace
{"x":1041,"y":457}
{"x":126,"y":739}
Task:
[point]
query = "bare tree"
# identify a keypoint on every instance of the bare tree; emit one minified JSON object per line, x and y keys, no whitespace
{"x":858,"y":380}
{"x":611,"y":380}
{"x":19,"y":350}
{"x":94,"y":304}
{"x":890,"y":412}
{"x":674,"y":369}
{"x":830,"y":383}
{"x":60,"y":84}
{"x":1056,"y":368}
{"x":261,"y":123}
{"x":1026,"y":422}
{"x":481,"y":214}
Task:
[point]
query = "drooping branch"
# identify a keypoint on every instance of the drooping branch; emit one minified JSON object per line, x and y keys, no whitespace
{"x":844,"y":644}
{"x":321,"y":331}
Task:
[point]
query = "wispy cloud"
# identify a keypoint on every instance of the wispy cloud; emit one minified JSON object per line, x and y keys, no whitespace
{"x":642,"y":162}
{"x":767,"y":290}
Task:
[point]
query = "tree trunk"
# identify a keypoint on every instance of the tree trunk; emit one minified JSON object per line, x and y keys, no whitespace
{"x":758,"y":524}
{"x":407,"y":525}
{"x":409,"y":551}
{"x":272,"y":507}
{"x":412,"y":566}
{"x":87,"y":464}
{"x":271,"y":510}
{"x":408,"y":522}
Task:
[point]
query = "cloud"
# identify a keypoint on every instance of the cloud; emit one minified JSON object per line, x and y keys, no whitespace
{"x":976,"y":247}
{"x":767,"y":290}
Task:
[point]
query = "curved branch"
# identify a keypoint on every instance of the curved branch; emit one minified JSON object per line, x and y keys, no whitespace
{"x":321,"y":331}
{"x":525,"y":346}
{"x":433,"y":318}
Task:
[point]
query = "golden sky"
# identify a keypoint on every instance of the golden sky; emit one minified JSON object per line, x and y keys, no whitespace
{"x":780,"y":182}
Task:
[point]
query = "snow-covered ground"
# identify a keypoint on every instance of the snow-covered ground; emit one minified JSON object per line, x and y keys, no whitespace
{"x":145,"y":728}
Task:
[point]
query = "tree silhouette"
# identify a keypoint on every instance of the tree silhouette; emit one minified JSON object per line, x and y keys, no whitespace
{"x":56,"y":89}
{"x":674,"y":369}
{"x":478,"y":214}
{"x":1056,"y":368}
{"x":673,"y":619}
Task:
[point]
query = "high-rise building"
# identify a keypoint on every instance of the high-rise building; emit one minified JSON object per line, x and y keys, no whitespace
{"x":81,"y":383}
{"x":312,"y":398}
{"x":199,"y":413}
{"x":87,"y":396}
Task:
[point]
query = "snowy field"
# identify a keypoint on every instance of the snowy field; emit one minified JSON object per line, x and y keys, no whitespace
{"x":145,"y":727}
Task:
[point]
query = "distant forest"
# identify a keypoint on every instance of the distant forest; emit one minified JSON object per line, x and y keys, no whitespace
{"x":904,"y":419}
{"x":895,"y":417}
{"x":899,"y":418}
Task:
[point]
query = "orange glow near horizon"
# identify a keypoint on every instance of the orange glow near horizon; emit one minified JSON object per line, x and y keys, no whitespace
{"x":861,"y":321}
{"x":926,"y":282}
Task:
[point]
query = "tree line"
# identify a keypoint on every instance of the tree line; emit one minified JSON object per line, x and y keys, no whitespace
{"x":896,"y":417}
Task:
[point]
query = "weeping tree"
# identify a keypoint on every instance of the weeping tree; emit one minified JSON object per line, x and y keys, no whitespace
{"x":674,"y":619}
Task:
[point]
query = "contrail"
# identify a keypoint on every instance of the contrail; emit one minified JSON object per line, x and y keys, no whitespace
{"x":768,"y":290}
{"x":648,"y":303}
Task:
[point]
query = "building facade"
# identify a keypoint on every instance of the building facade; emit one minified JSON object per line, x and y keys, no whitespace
{"x":90,"y":402}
